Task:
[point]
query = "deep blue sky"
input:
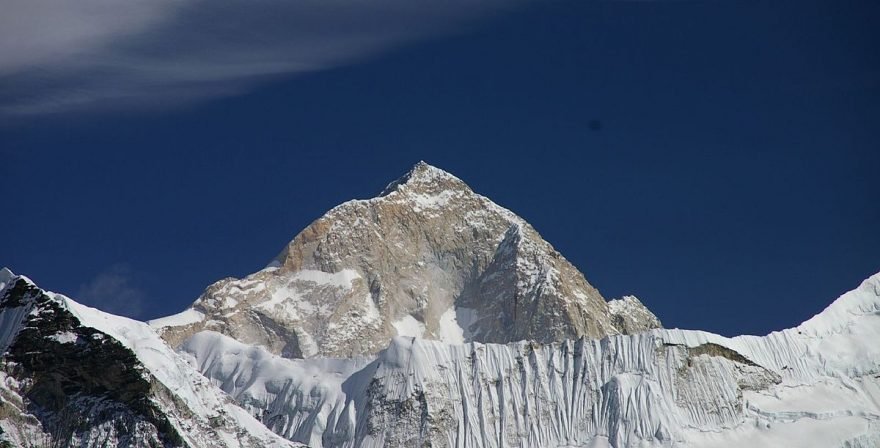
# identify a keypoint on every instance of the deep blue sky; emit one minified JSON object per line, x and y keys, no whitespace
{"x":732,"y":183}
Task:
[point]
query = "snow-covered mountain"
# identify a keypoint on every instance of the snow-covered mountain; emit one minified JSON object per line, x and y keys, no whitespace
{"x":427,"y":258}
{"x":427,"y":316}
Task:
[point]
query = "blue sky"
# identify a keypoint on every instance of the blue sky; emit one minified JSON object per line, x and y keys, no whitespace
{"x":718,"y":159}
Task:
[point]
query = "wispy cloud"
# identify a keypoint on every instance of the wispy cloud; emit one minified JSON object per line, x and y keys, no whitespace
{"x":115,"y":291}
{"x":61,"y":55}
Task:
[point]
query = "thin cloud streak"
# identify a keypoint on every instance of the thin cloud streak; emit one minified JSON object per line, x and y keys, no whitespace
{"x":114,"y":291}
{"x":59,"y":56}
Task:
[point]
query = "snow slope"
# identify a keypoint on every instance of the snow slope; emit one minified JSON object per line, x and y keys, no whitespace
{"x":205,"y":401}
{"x":816,"y":385}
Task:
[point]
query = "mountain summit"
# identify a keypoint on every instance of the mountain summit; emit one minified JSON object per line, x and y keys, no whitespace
{"x":427,"y":258}
{"x":426,"y":178}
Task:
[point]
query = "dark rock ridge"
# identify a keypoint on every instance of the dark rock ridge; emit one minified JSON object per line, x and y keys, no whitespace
{"x":76,"y":379}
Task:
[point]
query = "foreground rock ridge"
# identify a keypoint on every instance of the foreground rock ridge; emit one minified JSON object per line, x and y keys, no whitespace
{"x":73,"y":376}
{"x":427,"y":258}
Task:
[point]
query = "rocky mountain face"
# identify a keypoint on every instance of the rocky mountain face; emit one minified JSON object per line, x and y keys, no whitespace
{"x":427,"y":258}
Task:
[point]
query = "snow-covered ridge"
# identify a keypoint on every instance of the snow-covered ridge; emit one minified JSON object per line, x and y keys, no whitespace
{"x":199,"y":413}
{"x":815,"y":385}
{"x":839,"y":341}
{"x":185,"y":317}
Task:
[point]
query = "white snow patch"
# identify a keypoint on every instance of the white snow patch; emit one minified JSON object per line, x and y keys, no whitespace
{"x":449,"y":331}
{"x":189,"y":316}
{"x":287,"y":302}
{"x":341,"y":279}
{"x":64,"y":337}
{"x":409,"y":326}
{"x":430,"y":202}
{"x":291,"y":301}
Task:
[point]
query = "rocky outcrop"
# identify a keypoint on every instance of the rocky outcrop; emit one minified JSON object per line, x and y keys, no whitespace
{"x":78,"y":383}
{"x":427,"y":258}
{"x":630,"y":317}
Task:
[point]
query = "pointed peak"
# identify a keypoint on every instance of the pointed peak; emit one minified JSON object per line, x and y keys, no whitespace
{"x":6,"y":274}
{"x":422,"y":165}
{"x":427,"y":179}
{"x":6,"y":277}
{"x":423,"y":171}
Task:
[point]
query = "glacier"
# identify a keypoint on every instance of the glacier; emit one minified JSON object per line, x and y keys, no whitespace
{"x":817,"y":384}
